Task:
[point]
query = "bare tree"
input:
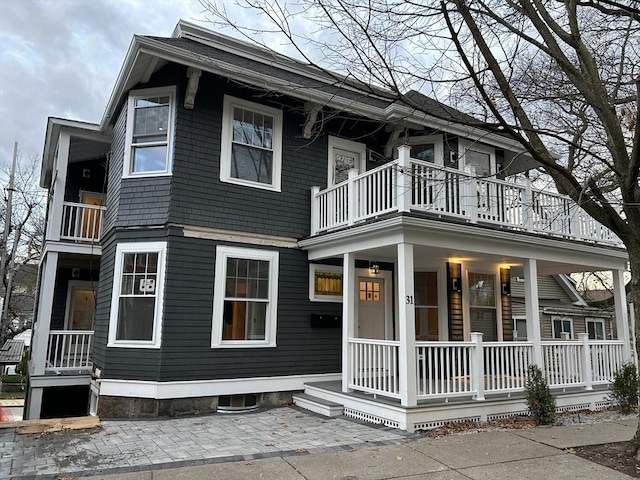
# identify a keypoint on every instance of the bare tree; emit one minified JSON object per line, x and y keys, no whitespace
{"x":561,"y":78}
{"x":21,"y":251}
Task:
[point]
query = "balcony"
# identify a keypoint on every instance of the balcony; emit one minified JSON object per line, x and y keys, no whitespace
{"x":419,"y":186}
{"x":81,"y":222}
{"x":69,"y":351}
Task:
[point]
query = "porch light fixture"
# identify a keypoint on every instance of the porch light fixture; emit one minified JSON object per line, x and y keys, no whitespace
{"x":374,"y":268}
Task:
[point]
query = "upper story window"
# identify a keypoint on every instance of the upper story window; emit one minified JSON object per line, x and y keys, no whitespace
{"x":245,"y":297}
{"x":137,"y":297}
{"x":428,"y":148}
{"x":345,"y":155}
{"x":149,"y":132}
{"x":251,"y":144}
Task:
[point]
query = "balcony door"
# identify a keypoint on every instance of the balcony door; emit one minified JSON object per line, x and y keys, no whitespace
{"x":344,"y":155}
{"x":81,"y":305}
{"x":91,"y":218}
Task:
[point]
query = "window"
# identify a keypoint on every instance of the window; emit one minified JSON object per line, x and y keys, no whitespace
{"x":426,"y":288}
{"x":325,"y":283}
{"x":149,"y":132}
{"x":562,"y":325}
{"x":428,"y":148}
{"x":595,"y":328}
{"x":482,"y":305}
{"x":251,"y":144}
{"x":136,"y":303}
{"x":520,"y":328}
{"x":345,"y":155}
{"x":245,"y":298}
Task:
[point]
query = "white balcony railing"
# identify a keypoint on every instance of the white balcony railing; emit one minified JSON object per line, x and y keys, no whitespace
{"x":453,"y":193}
{"x":81,"y":222}
{"x":69,"y":350}
{"x":476,"y":368}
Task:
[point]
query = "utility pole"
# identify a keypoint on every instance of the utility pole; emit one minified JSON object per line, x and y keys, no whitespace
{"x":5,"y":249}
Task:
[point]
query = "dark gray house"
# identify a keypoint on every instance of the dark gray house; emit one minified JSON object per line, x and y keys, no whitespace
{"x":241,"y":227}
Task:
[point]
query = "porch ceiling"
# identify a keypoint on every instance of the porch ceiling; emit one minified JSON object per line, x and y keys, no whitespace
{"x":437,"y":240}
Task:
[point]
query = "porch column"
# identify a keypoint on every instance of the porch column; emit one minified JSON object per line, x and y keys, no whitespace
{"x":622,"y":315}
{"x":407,"y":326}
{"x":58,"y":186}
{"x":532,"y":309}
{"x":42,"y":326}
{"x":348,"y":314}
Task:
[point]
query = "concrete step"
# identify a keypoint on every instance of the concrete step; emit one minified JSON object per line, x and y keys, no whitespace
{"x":318,"y":405}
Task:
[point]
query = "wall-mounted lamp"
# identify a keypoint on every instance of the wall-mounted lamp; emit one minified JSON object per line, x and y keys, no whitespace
{"x":506,"y":288}
{"x":374,"y":268}
{"x":455,"y":285}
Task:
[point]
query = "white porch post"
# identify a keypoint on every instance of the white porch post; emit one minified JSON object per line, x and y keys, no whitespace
{"x":532,"y":309}
{"x":404,"y":178}
{"x":477,"y":367}
{"x":348,"y":314}
{"x":585,"y":359}
{"x":42,"y":325}
{"x":407,"y":326}
{"x":622,"y":316}
{"x":58,"y":187}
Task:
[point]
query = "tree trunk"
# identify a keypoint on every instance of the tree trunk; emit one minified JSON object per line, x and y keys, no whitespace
{"x":634,"y":296}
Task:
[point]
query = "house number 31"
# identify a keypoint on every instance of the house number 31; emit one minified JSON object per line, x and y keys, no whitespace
{"x":409,"y":299}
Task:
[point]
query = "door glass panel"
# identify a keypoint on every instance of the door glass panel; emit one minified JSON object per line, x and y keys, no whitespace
{"x":480,"y":160}
{"x":343,"y":161}
{"x":83,"y":307}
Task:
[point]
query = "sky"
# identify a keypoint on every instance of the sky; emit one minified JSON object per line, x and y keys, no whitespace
{"x":61,"y":58}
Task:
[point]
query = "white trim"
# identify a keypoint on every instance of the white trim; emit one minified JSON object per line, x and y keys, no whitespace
{"x":464,"y":145}
{"x":317,"y":267}
{"x":205,"y":388}
{"x":519,"y":317}
{"x":558,"y":318}
{"x":71,"y":285}
{"x":169,"y":91}
{"x":224,"y":252}
{"x":79,"y":377}
{"x":68,"y":247}
{"x":226,"y":142}
{"x":142,"y":247}
{"x":344,"y":144}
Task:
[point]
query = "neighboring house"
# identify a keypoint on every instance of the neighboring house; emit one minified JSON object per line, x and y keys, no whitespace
{"x":245,"y":226}
{"x":562,"y":310}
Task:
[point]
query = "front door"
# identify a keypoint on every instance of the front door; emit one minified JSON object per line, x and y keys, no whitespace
{"x":81,"y":306}
{"x":371,"y":308}
{"x":90,"y":217}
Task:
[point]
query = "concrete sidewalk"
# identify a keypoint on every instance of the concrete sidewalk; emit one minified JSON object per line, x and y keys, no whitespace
{"x":288,"y":443}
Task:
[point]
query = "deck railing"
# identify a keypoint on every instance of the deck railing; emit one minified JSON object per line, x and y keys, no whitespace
{"x":69,"y":350}
{"x":453,"y":193}
{"x":81,"y":222}
{"x":374,"y":366}
{"x":476,"y":368}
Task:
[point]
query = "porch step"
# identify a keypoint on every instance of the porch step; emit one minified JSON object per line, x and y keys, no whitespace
{"x":318,"y":405}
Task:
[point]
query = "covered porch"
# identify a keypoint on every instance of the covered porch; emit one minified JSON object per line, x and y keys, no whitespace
{"x":427,"y":320}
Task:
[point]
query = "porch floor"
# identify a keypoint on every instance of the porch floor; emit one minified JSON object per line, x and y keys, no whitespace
{"x":432,"y":413}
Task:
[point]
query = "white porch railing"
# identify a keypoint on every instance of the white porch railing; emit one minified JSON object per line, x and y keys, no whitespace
{"x":443,"y":369}
{"x":81,"y":222}
{"x":69,"y":349}
{"x":373,"y":366}
{"x":450,"y":369}
{"x":452,"y":193}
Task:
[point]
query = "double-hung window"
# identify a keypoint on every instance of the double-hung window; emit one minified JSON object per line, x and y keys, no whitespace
{"x":149,"y":132}
{"x":595,"y":328}
{"x":251,"y":144}
{"x":245,"y":297}
{"x":562,"y":325}
{"x":137,"y":297}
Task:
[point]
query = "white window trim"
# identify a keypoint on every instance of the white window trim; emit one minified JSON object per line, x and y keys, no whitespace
{"x":146,"y":93}
{"x":344,"y":144}
{"x":515,"y":329}
{"x":464,"y":145}
{"x":438,"y":146}
{"x":563,"y":319}
{"x":313,"y":269}
{"x":84,"y":284}
{"x":222,"y":253}
{"x":143,"y":247}
{"x":227,"y":136}
{"x":588,"y":320}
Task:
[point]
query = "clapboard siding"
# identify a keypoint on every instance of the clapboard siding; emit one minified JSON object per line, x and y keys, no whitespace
{"x":186,"y":352}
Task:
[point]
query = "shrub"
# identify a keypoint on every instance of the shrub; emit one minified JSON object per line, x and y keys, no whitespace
{"x":22,"y":367}
{"x":625,"y":388}
{"x":12,"y":378}
{"x":542,"y":405}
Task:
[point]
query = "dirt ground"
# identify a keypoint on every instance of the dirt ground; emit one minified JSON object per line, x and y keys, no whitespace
{"x":612,"y":455}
